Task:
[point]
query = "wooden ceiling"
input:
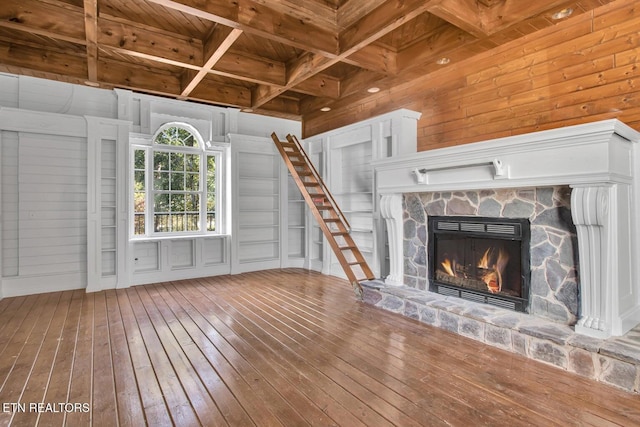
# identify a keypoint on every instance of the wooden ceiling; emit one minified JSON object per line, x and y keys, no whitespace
{"x":285,"y":58}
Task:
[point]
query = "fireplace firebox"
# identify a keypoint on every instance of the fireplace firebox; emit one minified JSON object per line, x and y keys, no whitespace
{"x":480,"y":259}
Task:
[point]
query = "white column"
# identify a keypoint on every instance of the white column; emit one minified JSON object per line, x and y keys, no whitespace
{"x":591,"y":207}
{"x":391,"y":211}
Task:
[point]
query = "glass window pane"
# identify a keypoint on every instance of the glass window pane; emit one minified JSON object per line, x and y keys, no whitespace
{"x":161,"y":161}
{"x":177,"y":203}
{"x":177,"y":181}
{"x":193,"y":182}
{"x":192,"y":162}
{"x":139,"y":201}
{"x":177,"y":162}
{"x":161,"y":202}
{"x":139,"y":180}
{"x":161,"y":180}
{"x":192,"y":202}
{"x":211,"y":221}
{"x":138,"y":224}
{"x":139,"y":156}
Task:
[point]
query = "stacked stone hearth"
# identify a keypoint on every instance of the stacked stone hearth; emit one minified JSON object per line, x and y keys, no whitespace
{"x":545,"y":332}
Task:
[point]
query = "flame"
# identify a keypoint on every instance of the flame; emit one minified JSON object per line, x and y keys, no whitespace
{"x":492,"y":264}
{"x":493,"y":272}
{"x":448,"y":267}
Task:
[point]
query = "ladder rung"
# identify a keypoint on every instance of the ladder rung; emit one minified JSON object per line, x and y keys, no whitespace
{"x":347,"y":248}
{"x":324,"y":208}
{"x":305,"y":173}
{"x":332,"y":219}
{"x":311,"y":184}
{"x":287,"y":144}
{"x":296,"y":163}
{"x":357,"y":262}
{"x":339,"y":233}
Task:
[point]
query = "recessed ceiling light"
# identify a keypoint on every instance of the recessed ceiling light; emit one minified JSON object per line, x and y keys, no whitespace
{"x":92,"y":84}
{"x":443,"y":61}
{"x":373,"y":89}
{"x":325,"y":109}
{"x":247,"y":110}
{"x":562,"y":13}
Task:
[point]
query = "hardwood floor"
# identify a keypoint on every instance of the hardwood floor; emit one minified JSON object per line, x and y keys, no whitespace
{"x":285,"y":347}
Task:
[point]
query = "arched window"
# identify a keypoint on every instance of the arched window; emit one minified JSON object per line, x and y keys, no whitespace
{"x":175,"y":183}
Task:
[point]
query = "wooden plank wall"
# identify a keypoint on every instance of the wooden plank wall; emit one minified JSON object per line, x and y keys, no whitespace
{"x":581,"y":70}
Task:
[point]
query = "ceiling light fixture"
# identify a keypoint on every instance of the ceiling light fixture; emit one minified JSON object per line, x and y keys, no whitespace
{"x":564,"y":13}
{"x":325,"y":109}
{"x":443,"y":61}
{"x":373,"y":89}
{"x":92,"y":84}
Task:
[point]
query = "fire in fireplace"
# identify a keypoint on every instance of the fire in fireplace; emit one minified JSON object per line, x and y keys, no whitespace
{"x":480,"y":259}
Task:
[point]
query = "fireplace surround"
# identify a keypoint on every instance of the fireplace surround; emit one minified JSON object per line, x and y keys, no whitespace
{"x":598,"y":164}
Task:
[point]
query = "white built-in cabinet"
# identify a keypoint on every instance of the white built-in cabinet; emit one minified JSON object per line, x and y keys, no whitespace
{"x":268,"y":211}
{"x":344,"y":157}
{"x":107,"y":207}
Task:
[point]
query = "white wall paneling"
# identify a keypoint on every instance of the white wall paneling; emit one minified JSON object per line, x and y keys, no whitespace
{"x":257,"y":174}
{"x":107,"y":206}
{"x":64,"y":187}
{"x":347,"y":155}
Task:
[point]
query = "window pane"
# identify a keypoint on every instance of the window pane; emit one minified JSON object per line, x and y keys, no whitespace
{"x":161,"y":202}
{"x":139,"y":180}
{"x":161,"y":181}
{"x":177,"y":181}
{"x":162,"y":223}
{"x":193,"y":222}
{"x":211,"y":193}
{"x":161,"y":161}
{"x":193,"y":182}
{"x":192,"y":162}
{"x":139,"y":156}
{"x":192,"y":203}
{"x":177,"y":203}
{"x":177,"y":162}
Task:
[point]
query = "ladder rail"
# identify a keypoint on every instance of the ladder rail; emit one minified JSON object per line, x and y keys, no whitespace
{"x":325,"y":189}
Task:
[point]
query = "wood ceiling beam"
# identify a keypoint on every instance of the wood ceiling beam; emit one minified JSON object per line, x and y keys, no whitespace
{"x":352,"y":11}
{"x":37,"y":59}
{"x":374,"y":57}
{"x":437,"y":45}
{"x":321,"y":85}
{"x":218,"y":44}
{"x":213,"y":92}
{"x":379,"y":22}
{"x":45,"y":20}
{"x":466,"y":14}
{"x":255,"y":18}
{"x":310,"y":11}
{"x":91,"y":35}
{"x":141,"y":41}
{"x":383,"y":20}
{"x":240,"y":66}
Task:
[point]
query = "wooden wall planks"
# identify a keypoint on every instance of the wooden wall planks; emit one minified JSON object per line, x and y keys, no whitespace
{"x":581,"y":70}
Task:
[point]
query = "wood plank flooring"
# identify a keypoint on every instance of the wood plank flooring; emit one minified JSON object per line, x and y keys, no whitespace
{"x":270,"y":348}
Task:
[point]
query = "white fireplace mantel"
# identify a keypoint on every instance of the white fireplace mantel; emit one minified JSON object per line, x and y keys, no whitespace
{"x":600,"y":161}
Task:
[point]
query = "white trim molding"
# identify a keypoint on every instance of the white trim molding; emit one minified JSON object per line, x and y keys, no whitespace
{"x":600,"y":161}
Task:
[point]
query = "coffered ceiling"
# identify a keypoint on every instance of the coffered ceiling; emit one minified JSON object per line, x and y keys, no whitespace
{"x":285,"y":58}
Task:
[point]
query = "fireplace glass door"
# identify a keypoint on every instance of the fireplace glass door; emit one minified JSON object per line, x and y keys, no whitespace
{"x":482,"y":259}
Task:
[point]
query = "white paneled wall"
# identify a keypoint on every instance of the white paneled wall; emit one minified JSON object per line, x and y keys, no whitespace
{"x":345,"y":157}
{"x":52,"y":210}
{"x":64,"y":188}
{"x":9,"y":189}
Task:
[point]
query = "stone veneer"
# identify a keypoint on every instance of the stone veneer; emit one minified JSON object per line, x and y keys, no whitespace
{"x":614,"y":361}
{"x":554,"y":258}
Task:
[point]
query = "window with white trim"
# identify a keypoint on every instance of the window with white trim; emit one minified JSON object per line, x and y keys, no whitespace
{"x":175,"y":184}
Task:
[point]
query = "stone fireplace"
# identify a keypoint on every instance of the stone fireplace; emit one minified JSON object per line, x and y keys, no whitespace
{"x":578,"y":188}
{"x":549,"y":284}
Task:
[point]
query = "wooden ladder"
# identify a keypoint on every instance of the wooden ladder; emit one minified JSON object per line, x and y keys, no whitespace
{"x":332,"y":221}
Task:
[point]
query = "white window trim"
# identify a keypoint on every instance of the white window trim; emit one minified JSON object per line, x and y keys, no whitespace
{"x":206,"y":149}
